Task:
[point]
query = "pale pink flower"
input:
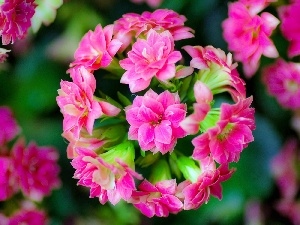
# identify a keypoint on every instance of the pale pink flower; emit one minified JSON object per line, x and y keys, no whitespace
{"x":97,"y":48}
{"x":284,"y":169}
{"x":208,"y":183}
{"x":153,"y":57}
{"x":8,"y":125}
{"x":151,"y":3}
{"x":290,"y":27}
{"x":248,"y":36}
{"x":154,"y":121}
{"x":36,"y":168}
{"x":15,"y":19}
{"x":282,"y":80}
{"x":108,"y":182}
{"x":256,"y":6}
{"x":78,"y":105}
{"x":135,"y":25}
{"x":222,"y":75}
{"x":203,"y":98}
{"x":32,"y":217}
{"x":3,"y":54}
{"x":157,"y":199}
{"x":232,"y":133}
{"x":8,"y":181}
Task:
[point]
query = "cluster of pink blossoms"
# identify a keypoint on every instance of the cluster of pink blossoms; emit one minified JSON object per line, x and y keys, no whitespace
{"x":31,"y":169}
{"x":112,"y":140}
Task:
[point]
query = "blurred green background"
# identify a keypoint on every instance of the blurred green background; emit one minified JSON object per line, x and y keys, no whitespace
{"x":30,"y":78}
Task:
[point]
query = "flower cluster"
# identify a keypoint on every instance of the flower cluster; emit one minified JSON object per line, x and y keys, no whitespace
{"x":31,"y":170}
{"x":149,"y":122}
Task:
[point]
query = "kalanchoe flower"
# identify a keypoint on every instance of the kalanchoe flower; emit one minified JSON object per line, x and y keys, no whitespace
{"x":32,"y":217}
{"x":256,"y":6}
{"x":3,"y":54}
{"x":289,"y":17}
{"x":232,"y":133}
{"x":157,"y":199}
{"x":153,"y":57}
{"x":15,"y":16}
{"x":36,"y":168}
{"x":216,"y":70}
{"x":8,"y":180}
{"x":9,"y":127}
{"x":248,"y":36}
{"x":135,"y":25}
{"x":78,"y":105}
{"x":282,"y":80}
{"x":96,"y":49}
{"x":154,"y":121}
{"x":109,"y":176}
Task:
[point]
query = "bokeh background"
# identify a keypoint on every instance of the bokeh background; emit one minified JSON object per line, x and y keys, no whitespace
{"x":30,"y":78}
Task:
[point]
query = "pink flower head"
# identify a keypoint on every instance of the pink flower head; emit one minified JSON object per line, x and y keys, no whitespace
{"x":151,"y":3}
{"x":223,"y":75}
{"x":248,"y":36}
{"x":153,"y":57}
{"x":203,"y":98}
{"x":15,"y":19}
{"x":284,"y":169}
{"x":32,"y":217}
{"x":232,"y":133}
{"x":8,"y":181}
{"x":8,"y":125}
{"x":282,"y":80}
{"x":96,"y":49}
{"x":256,"y":6}
{"x":77,"y":102}
{"x":3,"y":54}
{"x":158,"y":199}
{"x":133,"y":25}
{"x":36,"y":168}
{"x":208,"y":183}
{"x":154,"y":121}
{"x":108,"y":182}
{"x":290,"y":27}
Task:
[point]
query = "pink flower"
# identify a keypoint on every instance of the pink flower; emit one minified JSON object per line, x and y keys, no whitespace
{"x":256,"y":6}
{"x":290,"y":27}
{"x":232,"y":133}
{"x":108,"y":182}
{"x":15,"y":16}
{"x":222,"y":73}
{"x":203,"y":98}
{"x":77,"y":102}
{"x":248,"y":36}
{"x":96,"y":49}
{"x":284,"y":169}
{"x":208,"y":183}
{"x":32,"y":217}
{"x":282,"y":80}
{"x":153,"y":57}
{"x":8,"y":181}
{"x":3,"y":54}
{"x":151,"y":3}
{"x":154,"y":121}
{"x":133,"y":25}
{"x":9,"y":127}
{"x":158,"y":199}
{"x":36,"y":168}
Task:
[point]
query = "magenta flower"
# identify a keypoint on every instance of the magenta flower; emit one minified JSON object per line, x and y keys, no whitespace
{"x":133,"y":25}
{"x":256,"y":6}
{"x":108,"y":182}
{"x":248,"y":36}
{"x":282,"y":80}
{"x":9,"y":127}
{"x":232,"y":133}
{"x":290,"y":27}
{"x":77,"y":102}
{"x":158,"y":199}
{"x":36,"y":168}
{"x":208,"y":183}
{"x":32,"y":217}
{"x":154,"y":121}
{"x":96,"y":49}
{"x":8,"y":180}
{"x":153,"y":57}
{"x":15,"y":16}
